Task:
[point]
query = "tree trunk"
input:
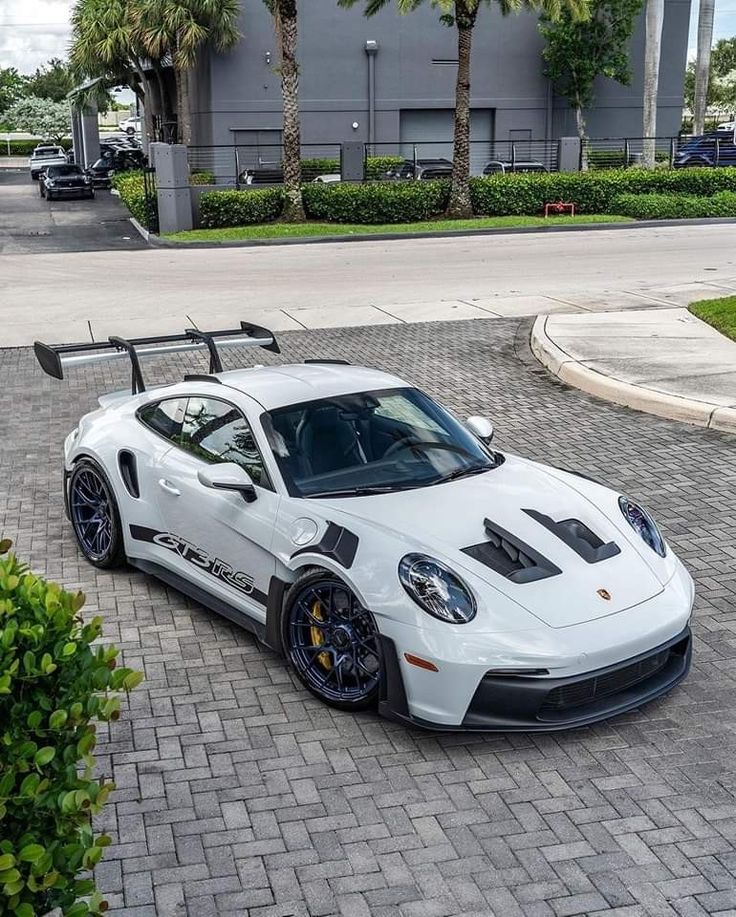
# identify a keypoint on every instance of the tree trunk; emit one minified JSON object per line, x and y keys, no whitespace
{"x":652,"y":53}
{"x":580,"y":125}
{"x":702,"y":64}
{"x":460,"y":206}
{"x":285,"y":17}
{"x":162,"y":96}
{"x":184,"y":106}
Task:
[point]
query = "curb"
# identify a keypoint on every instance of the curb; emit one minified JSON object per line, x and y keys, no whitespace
{"x":156,"y":241}
{"x":674,"y":407}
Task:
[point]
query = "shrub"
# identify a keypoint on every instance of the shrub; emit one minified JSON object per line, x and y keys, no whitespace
{"x":219,"y":209}
{"x":26,"y":147}
{"x":202,"y":177}
{"x":675,"y":206}
{"x":54,"y":686}
{"x":131,"y":188}
{"x":591,"y":192}
{"x":376,"y":202}
{"x":375,"y":167}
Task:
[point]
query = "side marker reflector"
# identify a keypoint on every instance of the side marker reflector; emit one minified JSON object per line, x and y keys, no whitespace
{"x":420,"y":663}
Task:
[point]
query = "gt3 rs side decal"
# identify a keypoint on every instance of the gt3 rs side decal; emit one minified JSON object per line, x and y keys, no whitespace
{"x":199,"y":558}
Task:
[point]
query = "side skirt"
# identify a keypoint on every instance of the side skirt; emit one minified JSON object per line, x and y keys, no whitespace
{"x":200,"y":595}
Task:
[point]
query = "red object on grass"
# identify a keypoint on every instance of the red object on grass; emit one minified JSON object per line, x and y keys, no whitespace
{"x":559,"y":207}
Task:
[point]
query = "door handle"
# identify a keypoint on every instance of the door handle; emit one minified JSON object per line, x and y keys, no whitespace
{"x":169,"y":487}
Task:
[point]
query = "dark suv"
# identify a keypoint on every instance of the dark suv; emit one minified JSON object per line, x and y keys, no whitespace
{"x":713,"y":149}
{"x":424,"y":169}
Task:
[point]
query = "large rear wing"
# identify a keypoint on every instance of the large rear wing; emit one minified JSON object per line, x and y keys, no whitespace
{"x":54,"y":358}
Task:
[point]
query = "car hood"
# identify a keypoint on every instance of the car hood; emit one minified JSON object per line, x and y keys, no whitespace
{"x":447,"y":518}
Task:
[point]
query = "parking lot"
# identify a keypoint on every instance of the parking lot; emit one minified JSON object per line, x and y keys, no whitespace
{"x":29,"y":224}
{"x":238,"y":793}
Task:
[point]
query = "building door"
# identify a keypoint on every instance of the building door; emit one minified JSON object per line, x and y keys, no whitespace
{"x":431,"y":130}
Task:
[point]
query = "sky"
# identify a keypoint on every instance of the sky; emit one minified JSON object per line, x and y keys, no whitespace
{"x":32,"y":31}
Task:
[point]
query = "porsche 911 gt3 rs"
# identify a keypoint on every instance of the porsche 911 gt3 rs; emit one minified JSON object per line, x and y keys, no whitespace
{"x":384,"y":547}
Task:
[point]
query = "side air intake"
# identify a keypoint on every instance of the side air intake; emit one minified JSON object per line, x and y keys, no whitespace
{"x":511,"y":557}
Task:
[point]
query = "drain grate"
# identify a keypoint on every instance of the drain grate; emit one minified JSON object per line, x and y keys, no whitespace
{"x":38,"y":232}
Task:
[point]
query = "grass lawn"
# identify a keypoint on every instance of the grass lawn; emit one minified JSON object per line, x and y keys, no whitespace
{"x":302,"y":230}
{"x":720,"y":313}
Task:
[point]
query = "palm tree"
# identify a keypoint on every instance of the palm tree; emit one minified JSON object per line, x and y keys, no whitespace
{"x":178,"y":29}
{"x":652,"y":53}
{"x":463,"y":15}
{"x":285,"y":19}
{"x":702,"y":63}
{"x":105,"y":44}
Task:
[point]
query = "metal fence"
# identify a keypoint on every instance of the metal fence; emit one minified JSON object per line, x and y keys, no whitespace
{"x":239,"y":165}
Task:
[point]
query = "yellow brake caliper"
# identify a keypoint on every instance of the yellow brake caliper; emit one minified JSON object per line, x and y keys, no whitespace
{"x":318,"y":638}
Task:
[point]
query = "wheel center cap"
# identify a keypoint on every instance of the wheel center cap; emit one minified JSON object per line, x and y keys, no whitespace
{"x":341,"y":638}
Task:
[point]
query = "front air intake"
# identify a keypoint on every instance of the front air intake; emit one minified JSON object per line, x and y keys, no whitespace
{"x":511,"y":557}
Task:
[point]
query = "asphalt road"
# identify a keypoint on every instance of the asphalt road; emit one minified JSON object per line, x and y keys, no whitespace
{"x":289,"y":287}
{"x":31,"y":225}
{"x":240,"y":794}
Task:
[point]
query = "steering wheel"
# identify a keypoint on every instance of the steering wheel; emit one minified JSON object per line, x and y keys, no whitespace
{"x":409,"y":443}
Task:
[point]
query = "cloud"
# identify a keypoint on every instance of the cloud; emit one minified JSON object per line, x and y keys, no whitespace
{"x":31,"y":33}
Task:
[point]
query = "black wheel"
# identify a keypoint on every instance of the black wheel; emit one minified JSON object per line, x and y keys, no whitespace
{"x":41,"y":189}
{"x":95,"y":517}
{"x":332,"y":641}
{"x":91,"y":194}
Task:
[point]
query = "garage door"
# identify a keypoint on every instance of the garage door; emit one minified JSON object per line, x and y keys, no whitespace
{"x":431,"y":130}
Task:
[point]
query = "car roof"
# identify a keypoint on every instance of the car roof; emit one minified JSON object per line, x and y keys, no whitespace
{"x":279,"y":386}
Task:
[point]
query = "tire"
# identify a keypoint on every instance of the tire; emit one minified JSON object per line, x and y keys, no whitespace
{"x":41,"y":189}
{"x":130,"y":131}
{"x":49,"y":195}
{"x":91,"y":194}
{"x":95,"y":517}
{"x":321,"y":611}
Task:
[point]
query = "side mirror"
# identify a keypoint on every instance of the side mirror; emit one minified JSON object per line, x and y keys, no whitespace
{"x":481,"y":427}
{"x":228,"y":476}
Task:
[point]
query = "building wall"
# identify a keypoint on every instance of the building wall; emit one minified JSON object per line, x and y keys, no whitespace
{"x":241,"y":90}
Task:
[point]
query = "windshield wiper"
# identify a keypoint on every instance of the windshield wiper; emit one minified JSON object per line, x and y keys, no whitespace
{"x":462,"y":473}
{"x":359,"y":491}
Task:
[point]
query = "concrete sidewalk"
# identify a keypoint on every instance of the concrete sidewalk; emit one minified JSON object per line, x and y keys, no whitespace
{"x":663,"y":361}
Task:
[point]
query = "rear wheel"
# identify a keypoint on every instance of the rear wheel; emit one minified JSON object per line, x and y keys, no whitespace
{"x":95,"y":516}
{"x":332,"y":641}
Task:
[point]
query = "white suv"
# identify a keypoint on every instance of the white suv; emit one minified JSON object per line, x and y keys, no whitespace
{"x":131,"y":126}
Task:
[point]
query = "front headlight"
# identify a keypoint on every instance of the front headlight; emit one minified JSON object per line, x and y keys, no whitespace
{"x":642,"y":523}
{"x":436,"y":589}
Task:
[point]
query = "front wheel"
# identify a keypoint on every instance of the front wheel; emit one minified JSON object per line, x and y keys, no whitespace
{"x":332,"y":641}
{"x":95,"y":516}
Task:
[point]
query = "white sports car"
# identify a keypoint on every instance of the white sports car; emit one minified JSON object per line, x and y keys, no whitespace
{"x":381,"y":545}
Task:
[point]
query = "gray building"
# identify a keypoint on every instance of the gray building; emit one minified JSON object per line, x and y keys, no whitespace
{"x":411,"y":95}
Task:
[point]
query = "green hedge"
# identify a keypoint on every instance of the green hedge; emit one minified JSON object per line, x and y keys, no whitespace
{"x":132,"y":194}
{"x":26,"y":147}
{"x":219,"y":209}
{"x":675,"y":206}
{"x":202,"y":177}
{"x":376,"y":202}
{"x":592,"y":192}
{"x":375,"y":167}
{"x":57,"y":682}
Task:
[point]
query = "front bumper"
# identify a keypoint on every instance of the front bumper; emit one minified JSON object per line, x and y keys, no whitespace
{"x":508,"y":704}
{"x":71,"y":192}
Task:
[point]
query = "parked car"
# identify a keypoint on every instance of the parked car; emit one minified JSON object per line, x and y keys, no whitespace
{"x":424,"y":169}
{"x":115,"y":160}
{"x":65,"y":181}
{"x":392,"y":554}
{"x":263,"y":175}
{"x":715,"y":148}
{"x":131,"y":126}
{"x":499,"y":166}
{"x":328,"y":179}
{"x":46,"y":155}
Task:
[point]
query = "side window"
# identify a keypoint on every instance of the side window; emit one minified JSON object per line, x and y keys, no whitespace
{"x":217,"y":432}
{"x":164,"y":417}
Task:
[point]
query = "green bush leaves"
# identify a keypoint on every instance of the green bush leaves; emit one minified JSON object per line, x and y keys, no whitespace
{"x":676,"y":206}
{"x":240,"y":208}
{"x":56,"y":682}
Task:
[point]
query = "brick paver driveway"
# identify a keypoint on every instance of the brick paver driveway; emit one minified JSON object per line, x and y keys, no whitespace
{"x":240,"y":794}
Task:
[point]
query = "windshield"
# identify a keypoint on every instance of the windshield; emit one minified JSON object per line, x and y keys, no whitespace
{"x":63,"y":171}
{"x":371,"y":442}
{"x":47,"y":152}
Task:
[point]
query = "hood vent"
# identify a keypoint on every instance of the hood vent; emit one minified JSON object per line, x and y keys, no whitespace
{"x":578,"y":536}
{"x":511,"y":557}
